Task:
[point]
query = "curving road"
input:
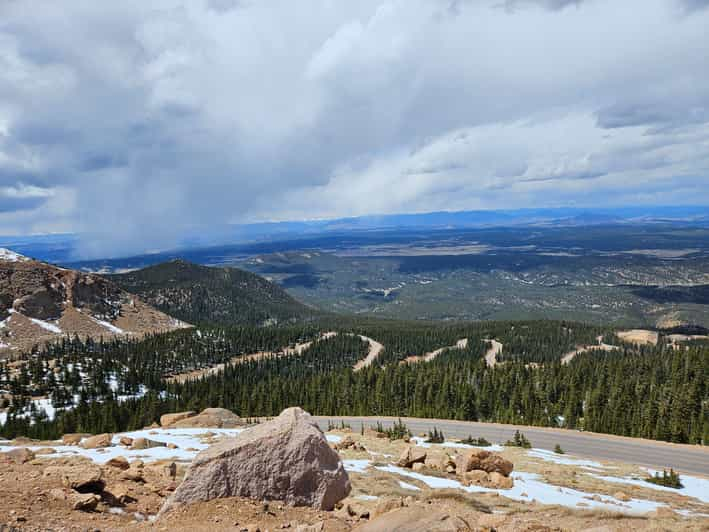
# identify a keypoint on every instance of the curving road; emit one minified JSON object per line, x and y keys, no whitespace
{"x":690,"y":459}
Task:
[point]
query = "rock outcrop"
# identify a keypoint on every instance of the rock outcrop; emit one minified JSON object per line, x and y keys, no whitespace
{"x":287,"y":459}
{"x":41,"y":303}
{"x":220,"y":418}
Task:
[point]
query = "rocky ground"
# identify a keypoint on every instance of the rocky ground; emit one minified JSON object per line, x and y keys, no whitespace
{"x":120,"y":482}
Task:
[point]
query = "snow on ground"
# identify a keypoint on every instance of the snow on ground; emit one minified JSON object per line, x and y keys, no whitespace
{"x":333,"y":438}
{"x":693,"y":486}
{"x":356,"y":466}
{"x":10,"y":256}
{"x":408,"y":486}
{"x":188,"y":441}
{"x":109,"y":326}
{"x":46,"y":326}
{"x":421,"y":442}
{"x":562,"y":459}
{"x":528,"y":487}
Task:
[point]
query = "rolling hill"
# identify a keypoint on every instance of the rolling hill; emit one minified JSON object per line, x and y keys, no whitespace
{"x":205,"y":294}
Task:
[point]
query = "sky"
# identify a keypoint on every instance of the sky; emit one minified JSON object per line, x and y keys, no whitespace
{"x":129,"y":121}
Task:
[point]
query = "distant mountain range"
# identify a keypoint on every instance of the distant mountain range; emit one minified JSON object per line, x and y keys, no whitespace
{"x":63,"y":248}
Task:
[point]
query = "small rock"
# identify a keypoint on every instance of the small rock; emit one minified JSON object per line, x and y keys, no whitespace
{"x":144,"y":443}
{"x":46,"y":450}
{"x":84,"y":501}
{"x":621,"y":496}
{"x":387,"y":505}
{"x":418,"y":466}
{"x":98,"y":441}
{"x":125,"y":440}
{"x":19,"y":456}
{"x":410,"y":456}
{"x":73,"y":438}
{"x":119,"y":462}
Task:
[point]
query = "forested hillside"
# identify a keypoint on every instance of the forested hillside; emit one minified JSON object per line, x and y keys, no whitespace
{"x":652,"y":391}
{"x":201,"y":294}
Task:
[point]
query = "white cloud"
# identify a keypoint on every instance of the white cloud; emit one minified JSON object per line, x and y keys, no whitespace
{"x":168,"y":113}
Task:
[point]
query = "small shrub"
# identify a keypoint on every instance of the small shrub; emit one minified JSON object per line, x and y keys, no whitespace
{"x":558,"y":449}
{"x":668,"y":480}
{"x":398,"y":431}
{"x":435,"y":437}
{"x":519,"y":440}
{"x":478,"y":442}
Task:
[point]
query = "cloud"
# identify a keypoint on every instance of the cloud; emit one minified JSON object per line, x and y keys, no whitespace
{"x":143,"y":119}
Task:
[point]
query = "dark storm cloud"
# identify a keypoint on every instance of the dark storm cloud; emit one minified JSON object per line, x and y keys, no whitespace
{"x":133,"y":115}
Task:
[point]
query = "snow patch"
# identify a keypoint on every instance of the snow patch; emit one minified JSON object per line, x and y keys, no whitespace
{"x":421,"y":442}
{"x":356,"y":466}
{"x":408,"y":486}
{"x":10,"y":256}
{"x":562,"y":459}
{"x":109,"y":326}
{"x":46,"y":326}
{"x":535,"y":489}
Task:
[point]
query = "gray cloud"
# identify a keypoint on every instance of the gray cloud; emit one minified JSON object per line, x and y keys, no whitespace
{"x":144,"y":119}
{"x":694,"y":5}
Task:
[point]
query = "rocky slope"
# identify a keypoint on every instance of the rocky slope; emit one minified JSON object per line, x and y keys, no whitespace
{"x":197,"y":293}
{"x":40,"y":302}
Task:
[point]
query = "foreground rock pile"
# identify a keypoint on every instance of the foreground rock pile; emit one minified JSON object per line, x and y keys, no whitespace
{"x":475,"y":467}
{"x":287,"y":459}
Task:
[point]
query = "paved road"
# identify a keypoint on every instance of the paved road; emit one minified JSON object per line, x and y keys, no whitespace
{"x":690,"y":459}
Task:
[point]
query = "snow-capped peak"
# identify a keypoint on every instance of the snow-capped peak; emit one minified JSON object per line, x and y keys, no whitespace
{"x":10,"y":256}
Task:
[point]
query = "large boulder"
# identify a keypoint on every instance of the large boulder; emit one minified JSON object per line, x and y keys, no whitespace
{"x":169,"y":419}
{"x":210,"y":418}
{"x":97,"y":442}
{"x":19,"y":455}
{"x":287,"y":459}
{"x":483,"y":460}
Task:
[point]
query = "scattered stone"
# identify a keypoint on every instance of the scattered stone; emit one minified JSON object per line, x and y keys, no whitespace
{"x":46,"y":450}
{"x":19,"y":456}
{"x":418,"y":466}
{"x":125,"y":440}
{"x":387,"y":505}
{"x":119,"y":462}
{"x":145,"y":443}
{"x":98,"y":441}
{"x":485,"y":461}
{"x":415,"y":519}
{"x":134,"y":474}
{"x":74,"y":438}
{"x":410,"y":456}
{"x":286,"y":459}
{"x":622,"y":496}
{"x":317,"y":527}
{"x":84,"y":501}
{"x":171,"y":445}
{"x":84,"y":477}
